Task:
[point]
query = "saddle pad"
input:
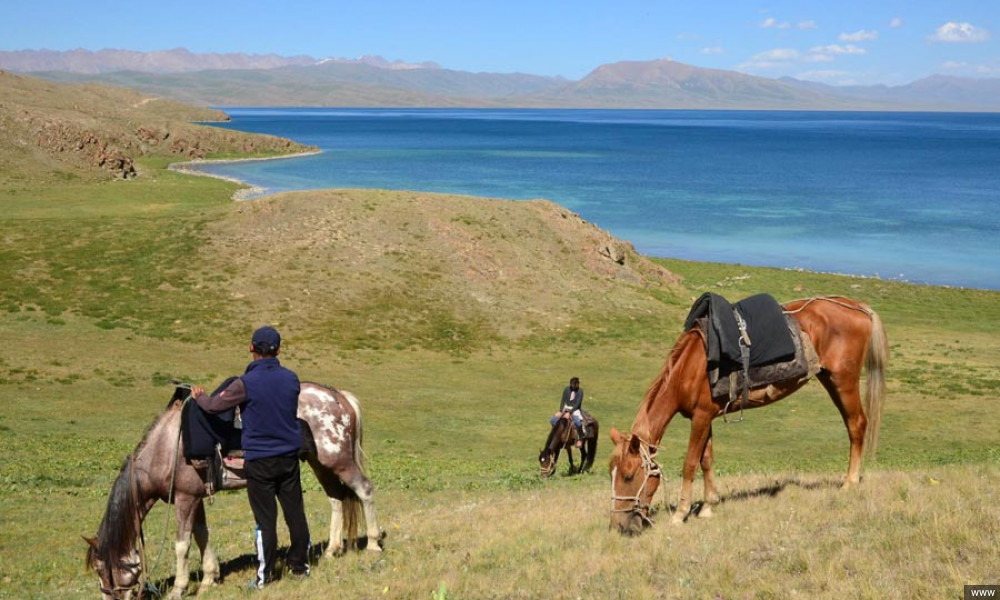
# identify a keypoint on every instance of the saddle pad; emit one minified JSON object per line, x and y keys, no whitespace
{"x":770,"y":340}
{"x":803,"y":364}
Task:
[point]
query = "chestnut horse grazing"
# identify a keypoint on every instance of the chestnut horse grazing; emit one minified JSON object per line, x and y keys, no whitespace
{"x":157,"y":470}
{"x":846,"y":336}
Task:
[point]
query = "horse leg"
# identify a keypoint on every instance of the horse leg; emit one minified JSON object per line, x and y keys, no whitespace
{"x":569,"y":453}
{"x":337,"y":545}
{"x":844,"y":392}
{"x":336,"y":492}
{"x":701,"y":426}
{"x":186,"y":508}
{"x":362,"y":487}
{"x":708,"y":473}
{"x":209,"y":563}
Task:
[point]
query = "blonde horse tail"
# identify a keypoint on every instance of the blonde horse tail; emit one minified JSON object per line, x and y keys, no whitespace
{"x":352,"y":507}
{"x":875,"y":364}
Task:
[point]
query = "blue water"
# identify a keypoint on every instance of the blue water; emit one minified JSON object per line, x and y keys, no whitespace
{"x":908,"y":196}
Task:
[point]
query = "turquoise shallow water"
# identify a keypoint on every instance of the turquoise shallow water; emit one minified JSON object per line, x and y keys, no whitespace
{"x":910,"y":196}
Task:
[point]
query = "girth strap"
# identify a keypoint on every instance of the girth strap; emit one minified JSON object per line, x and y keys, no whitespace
{"x":745,"y":366}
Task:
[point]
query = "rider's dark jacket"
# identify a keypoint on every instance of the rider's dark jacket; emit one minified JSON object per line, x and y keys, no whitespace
{"x":575,"y":403}
{"x":268,"y":397}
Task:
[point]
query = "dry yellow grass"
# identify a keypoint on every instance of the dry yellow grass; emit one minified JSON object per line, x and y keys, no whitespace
{"x":919,"y":534}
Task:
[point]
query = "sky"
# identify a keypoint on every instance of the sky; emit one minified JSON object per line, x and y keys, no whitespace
{"x":840,"y":42}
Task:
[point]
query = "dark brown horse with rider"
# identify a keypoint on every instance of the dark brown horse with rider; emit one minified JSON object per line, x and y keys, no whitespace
{"x":565,"y":435}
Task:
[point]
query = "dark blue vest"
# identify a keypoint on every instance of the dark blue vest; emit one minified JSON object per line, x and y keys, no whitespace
{"x":270,"y":426}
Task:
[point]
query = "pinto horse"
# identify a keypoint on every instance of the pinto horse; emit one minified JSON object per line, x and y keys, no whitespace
{"x":157,"y":470}
{"x":563,"y":435}
{"x":847,"y":335}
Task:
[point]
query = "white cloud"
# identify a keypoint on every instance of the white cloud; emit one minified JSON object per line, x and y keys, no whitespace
{"x":895,"y":23}
{"x":772,"y":59}
{"x":959,"y":32}
{"x":778,"y":54}
{"x":713,"y":50}
{"x":822,"y":75}
{"x":862,"y":35}
{"x":838,"y":49}
{"x":772,"y":23}
{"x":807,"y":25}
{"x":971,"y":69}
{"x":814,"y":57}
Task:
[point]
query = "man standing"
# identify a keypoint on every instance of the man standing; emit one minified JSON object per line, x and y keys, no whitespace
{"x":268,"y":397}
{"x":571,"y":404}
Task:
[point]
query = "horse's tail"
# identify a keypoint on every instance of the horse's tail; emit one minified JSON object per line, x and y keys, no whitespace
{"x":875,"y":363}
{"x":351,"y":506}
{"x":592,"y":446}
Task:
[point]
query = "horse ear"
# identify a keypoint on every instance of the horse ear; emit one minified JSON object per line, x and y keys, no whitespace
{"x":616,"y":436}
{"x":91,"y":541}
{"x":634,"y":444}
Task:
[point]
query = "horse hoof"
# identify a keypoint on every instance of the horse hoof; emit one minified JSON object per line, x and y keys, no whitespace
{"x":175,"y":594}
{"x":206,"y":585}
{"x":705,"y":512}
{"x":678,"y":518}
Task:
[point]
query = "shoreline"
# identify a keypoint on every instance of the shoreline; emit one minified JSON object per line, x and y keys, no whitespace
{"x":250,"y":192}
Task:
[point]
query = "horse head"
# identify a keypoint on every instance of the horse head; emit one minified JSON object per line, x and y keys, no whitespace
{"x":547,"y":463}
{"x":118,"y":577}
{"x":635,"y":476}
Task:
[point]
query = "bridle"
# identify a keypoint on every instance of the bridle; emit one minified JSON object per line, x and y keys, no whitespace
{"x":650,"y":468}
{"x":116,"y":591}
{"x":563,"y":441}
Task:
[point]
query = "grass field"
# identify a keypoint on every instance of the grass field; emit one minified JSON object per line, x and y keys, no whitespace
{"x":109,"y":289}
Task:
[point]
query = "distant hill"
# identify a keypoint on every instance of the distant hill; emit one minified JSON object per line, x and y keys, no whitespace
{"x":671,"y":84}
{"x":177,"y":60}
{"x":940,"y":91}
{"x":268,"y":80}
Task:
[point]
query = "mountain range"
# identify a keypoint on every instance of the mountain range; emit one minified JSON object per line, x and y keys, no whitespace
{"x":271,"y":80}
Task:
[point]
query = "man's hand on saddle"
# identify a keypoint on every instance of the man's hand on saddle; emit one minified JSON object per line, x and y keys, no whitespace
{"x":196,"y":390}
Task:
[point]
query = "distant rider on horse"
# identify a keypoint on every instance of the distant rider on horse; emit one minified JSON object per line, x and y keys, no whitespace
{"x":571,"y":406}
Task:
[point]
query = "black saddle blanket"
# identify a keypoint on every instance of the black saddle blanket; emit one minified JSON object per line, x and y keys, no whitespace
{"x":770,"y":339}
{"x":201,"y":431}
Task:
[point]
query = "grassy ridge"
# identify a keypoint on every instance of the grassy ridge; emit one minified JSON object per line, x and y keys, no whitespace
{"x":452,"y":437}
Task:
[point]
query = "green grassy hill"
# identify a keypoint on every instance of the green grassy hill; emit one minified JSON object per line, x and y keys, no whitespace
{"x":54,"y":133}
{"x":457,"y":321}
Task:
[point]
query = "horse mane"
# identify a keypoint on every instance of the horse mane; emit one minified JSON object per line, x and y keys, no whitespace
{"x":641,"y":425}
{"x":121,"y":524}
{"x":554,"y":434}
{"x":119,"y":527}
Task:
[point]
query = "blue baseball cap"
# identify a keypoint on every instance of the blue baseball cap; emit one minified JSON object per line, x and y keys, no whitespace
{"x":266,"y":340}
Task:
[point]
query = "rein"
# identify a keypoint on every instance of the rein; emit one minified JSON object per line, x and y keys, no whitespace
{"x":650,"y":469}
{"x":838,"y":300}
{"x":141,"y":581}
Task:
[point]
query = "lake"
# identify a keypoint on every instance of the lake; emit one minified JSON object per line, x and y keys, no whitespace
{"x":903,"y":196}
